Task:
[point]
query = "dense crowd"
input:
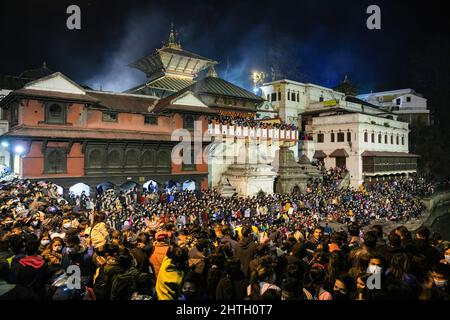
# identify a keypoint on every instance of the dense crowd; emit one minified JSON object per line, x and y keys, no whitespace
{"x":188,"y":245}
{"x":249,"y":122}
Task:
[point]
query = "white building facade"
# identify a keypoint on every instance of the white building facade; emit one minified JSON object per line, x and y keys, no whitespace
{"x":291,"y":98}
{"x":407,"y":104}
{"x":367,"y":145}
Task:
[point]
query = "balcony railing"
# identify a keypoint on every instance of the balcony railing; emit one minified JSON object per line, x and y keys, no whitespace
{"x":253,"y":132}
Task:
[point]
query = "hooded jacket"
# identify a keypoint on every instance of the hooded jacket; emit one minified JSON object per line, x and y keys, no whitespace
{"x":169,"y":281}
{"x":245,"y":252}
{"x":30,"y":271}
{"x":158,"y":255}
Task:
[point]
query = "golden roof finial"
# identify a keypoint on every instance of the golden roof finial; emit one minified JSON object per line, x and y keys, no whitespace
{"x":171,"y":36}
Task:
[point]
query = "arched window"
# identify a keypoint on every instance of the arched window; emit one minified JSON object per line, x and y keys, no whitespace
{"x":392,"y":139}
{"x":55,"y":113}
{"x":403,"y":140}
{"x":55,"y":160}
{"x":332,"y":137}
{"x":289,"y":95}
{"x":397,"y":139}
{"x":365,"y":136}
{"x":95,"y":158}
{"x":114,"y":158}
{"x":385,"y":139}
{"x":379,"y":138}
{"x":132,"y":158}
{"x":163,"y":158}
{"x":298,"y":97}
{"x":148,"y":159}
{"x":373,"y":137}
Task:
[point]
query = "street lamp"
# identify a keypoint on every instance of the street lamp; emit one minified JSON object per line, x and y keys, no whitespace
{"x":19,"y":149}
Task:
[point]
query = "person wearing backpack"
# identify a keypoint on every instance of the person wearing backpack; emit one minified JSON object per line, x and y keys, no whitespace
{"x":124,"y":284}
{"x":105,"y":273}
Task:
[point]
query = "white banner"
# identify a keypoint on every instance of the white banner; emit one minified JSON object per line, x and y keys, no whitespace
{"x":281,"y":134}
{"x":217,"y":129}
{"x":270,"y":133}
{"x":245,"y":131}
{"x":238,"y":131}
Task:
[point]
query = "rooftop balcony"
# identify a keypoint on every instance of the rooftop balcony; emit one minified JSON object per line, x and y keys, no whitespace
{"x":273,"y":134}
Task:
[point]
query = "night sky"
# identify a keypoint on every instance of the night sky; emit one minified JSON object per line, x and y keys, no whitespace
{"x":310,"y":41}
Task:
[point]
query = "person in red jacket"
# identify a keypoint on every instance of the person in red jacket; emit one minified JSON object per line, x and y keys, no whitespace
{"x":30,"y":270}
{"x":160,"y":248}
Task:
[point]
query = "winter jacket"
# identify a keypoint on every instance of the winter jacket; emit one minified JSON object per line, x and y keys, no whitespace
{"x":30,"y":271}
{"x":99,"y":234}
{"x":196,"y":260}
{"x":158,"y":255}
{"x":245,"y":252}
{"x":231,"y":289}
{"x":169,"y":281}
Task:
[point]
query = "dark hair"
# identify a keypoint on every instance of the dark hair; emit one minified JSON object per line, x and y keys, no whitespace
{"x":296,"y":271}
{"x":246,"y":231}
{"x":441,"y":268}
{"x":142,"y":237}
{"x":201,"y":244}
{"x":400,"y":265}
{"x":424,"y":232}
{"x":404,"y":232}
{"x":370,"y":239}
{"x":125,"y":260}
{"x":261,"y":273}
{"x":435,"y":237}
{"x":349,"y":283}
{"x":378,"y":230}
{"x":226,"y":230}
{"x":336,"y":237}
{"x":99,"y":217}
{"x":394,"y":239}
{"x":72,"y":240}
{"x":178,"y":255}
{"x":261,"y":250}
{"x":293,"y":287}
{"x":16,"y":243}
{"x":31,"y":245}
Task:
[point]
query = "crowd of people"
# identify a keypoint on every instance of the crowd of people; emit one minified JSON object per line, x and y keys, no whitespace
{"x":249,"y":122}
{"x":188,"y":245}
